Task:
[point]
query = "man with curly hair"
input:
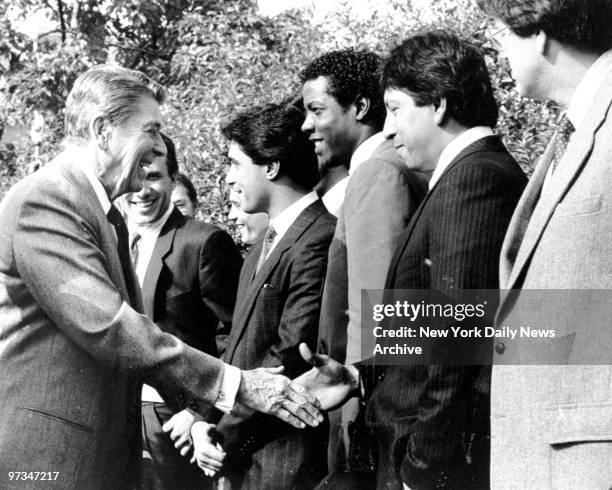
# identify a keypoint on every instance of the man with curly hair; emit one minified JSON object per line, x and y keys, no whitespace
{"x":552,"y":424}
{"x":344,"y":117}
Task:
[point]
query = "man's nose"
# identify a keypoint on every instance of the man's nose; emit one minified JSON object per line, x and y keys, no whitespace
{"x":389,"y":128}
{"x":307,"y":125}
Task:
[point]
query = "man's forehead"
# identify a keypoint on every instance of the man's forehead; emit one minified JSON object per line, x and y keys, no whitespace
{"x":317,"y":88}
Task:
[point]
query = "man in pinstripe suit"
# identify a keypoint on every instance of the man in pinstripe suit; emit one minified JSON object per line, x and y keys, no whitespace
{"x":432,"y":422}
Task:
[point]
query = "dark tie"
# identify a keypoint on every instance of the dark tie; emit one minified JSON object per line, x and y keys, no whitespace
{"x":562,"y":136}
{"x":135,"y":243}
{"x":266,"y":246}
{"x":115,"y":218}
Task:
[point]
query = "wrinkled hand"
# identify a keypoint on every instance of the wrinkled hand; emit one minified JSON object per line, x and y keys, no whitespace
{"x":179,"y":426}
{"x":207,"y":454}
{"x":331,"y":382}
{"x":267,"y":391}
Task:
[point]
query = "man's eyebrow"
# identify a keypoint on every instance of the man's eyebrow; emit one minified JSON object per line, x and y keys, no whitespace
{"x":152,"y":125}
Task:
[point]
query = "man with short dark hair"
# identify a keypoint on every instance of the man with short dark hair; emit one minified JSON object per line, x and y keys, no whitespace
{"x":344,"y":118}
{"x":431,"y":421}
{"x":72,"y":336}
{"x":188,"y":271}
{"x":552,"y":424}
{"x":273,"y":170}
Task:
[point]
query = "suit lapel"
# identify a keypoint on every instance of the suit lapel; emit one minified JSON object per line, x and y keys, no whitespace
{"x":251,"y":290}
{"x":580,"y":147}
{"x":489,"y":143}
{"x":163,"y":246}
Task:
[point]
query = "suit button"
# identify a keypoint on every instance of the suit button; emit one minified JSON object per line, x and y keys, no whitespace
{"x":500,"y":347}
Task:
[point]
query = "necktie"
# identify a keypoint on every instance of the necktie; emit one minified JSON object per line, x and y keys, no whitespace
{"x":114,"y":217}
{"x":135,"y":243}
{"x":266,"y":246}
{"x":562,"y":136}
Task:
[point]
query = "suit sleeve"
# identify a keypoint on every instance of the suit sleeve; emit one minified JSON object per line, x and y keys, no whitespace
{"x":466,"y":233}
{"x":219,"y":271}
{"x":380,"y":200}
{"x":61,"y":259}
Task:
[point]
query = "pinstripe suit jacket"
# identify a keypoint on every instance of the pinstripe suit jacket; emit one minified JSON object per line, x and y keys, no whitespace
{"x":422,"y":415}
{"x":277,"y":309}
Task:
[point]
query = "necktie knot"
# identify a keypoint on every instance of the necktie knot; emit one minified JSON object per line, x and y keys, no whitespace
{"x":114,"y":217}
{"x":270,"y":233}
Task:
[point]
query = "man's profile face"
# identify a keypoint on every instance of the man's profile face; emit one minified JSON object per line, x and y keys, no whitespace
{"x":413,"y":130}
{"x":523,"y":54}
{"x":247,"y":180}
{"x":180,"y":198}
{"x":331,"y":127}
{"x":132,"y":146}
{"x":251,"y":227}
{"x":153,"y":200}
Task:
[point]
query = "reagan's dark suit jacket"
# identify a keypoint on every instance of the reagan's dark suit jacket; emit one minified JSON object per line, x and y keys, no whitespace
{"x":73,"y":352}
{"x":190,"y":286}
{"x":278,"y":308}
{"x":424,"y":416}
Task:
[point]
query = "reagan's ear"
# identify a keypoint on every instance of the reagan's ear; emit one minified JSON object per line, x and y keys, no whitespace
{"x":362,"y":107}
{"x":100,"y":129}
{"x":272,"y":170}
{"x":440,"y":111}
{"x":543,"y":43}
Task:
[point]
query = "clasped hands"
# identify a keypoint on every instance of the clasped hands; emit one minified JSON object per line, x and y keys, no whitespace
{"x":324,"y":387}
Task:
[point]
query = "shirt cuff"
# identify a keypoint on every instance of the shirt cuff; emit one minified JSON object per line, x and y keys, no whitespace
{"x":228,"y":389}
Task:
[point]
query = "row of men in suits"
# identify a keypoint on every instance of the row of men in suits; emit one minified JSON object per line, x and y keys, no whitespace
{"x":550,"y":425}
{"x":73,"y":335}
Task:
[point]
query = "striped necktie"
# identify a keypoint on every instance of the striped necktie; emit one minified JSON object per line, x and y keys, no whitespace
{"x":266,"y":246}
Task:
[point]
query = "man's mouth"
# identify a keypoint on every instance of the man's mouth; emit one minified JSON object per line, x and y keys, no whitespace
{"x":144,"y":203}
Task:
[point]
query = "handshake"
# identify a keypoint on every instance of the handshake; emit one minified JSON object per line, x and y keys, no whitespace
{"x":299,"y":403}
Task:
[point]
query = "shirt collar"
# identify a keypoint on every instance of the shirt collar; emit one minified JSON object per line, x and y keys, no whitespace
{"x":334,"y":197}
{"x":365,"y":151}
{"x":286,"y":218}
{"x":455,"y":147}
{"x":586,"y":89}
{"x":150,"y":229}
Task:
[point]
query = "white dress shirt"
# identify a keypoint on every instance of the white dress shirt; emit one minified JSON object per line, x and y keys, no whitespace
{"x":285,"y":219}
{"x":334,"y":197}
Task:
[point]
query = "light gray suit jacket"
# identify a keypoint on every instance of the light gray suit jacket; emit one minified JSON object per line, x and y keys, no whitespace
{"x":73,"y":352}
{"x":552,"y":425}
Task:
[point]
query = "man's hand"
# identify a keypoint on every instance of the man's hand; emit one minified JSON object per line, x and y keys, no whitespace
{"x":267,"y":391}
{"x":331,"y":382}
{"x":207,"y":453}
{"x":179,"y":426}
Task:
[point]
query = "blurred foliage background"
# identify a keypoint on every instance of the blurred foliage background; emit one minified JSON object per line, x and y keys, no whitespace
{"x":215,"y":57}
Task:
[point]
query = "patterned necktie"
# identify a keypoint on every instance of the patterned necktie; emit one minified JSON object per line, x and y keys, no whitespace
{"x":266,"y":246}
{"x":115,"y":218}
{"x":134,"y":244}
{"x":562,"y":136}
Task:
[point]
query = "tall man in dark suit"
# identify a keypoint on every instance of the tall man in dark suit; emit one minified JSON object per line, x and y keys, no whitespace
{"x":431,"y":422}
{"x":551,"y":425}
{"x":273,"y":170}
{"x":71,"y":336}
{"x":188,"y":271}
{"x":345,"y":113}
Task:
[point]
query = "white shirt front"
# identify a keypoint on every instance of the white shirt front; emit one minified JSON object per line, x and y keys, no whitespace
{"x":334,"y":197}
{"x":456,"y":146}
{"x":285,"y":219}
{"x":149,"y":233}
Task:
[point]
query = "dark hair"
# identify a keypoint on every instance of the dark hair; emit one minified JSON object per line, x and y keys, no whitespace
{"x":182,"y":179}
{"x":436,"y":65}
{"x":579,"y":23}
{"x":171,"y":161}
{"x":351,"y":74}
{"x":272,"y":133}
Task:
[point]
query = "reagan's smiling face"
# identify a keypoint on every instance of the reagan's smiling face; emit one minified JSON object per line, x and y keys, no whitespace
{"x":152,"y":201}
